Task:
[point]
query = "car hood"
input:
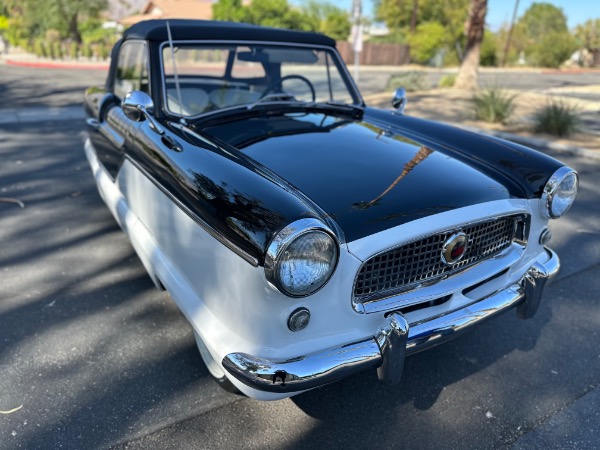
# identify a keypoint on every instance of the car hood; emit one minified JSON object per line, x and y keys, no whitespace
{"x":366,"y":177}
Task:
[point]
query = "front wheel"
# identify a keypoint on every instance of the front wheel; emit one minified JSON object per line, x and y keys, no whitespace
{"x":213,"y":367}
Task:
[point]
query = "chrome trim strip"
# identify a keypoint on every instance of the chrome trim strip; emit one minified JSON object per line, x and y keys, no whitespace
{"x":394,"y":340}
{"x":192,"y":215}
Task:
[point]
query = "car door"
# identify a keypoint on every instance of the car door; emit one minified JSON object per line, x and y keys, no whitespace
{"x":111,"y":130}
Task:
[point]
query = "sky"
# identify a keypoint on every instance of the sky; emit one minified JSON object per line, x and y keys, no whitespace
{"x":500,"y":11}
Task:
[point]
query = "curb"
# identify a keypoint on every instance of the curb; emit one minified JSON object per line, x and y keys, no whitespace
{"x":57,"y":65}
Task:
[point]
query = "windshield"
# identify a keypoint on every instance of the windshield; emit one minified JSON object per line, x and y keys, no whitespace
{"x":220,"y":76}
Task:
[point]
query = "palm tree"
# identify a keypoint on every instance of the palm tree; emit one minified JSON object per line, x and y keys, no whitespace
{"x":467,"y":75}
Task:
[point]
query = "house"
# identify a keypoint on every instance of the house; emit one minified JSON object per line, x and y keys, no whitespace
{"x":171,"y":9}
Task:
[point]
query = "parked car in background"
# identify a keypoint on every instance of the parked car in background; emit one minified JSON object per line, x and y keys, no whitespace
{"x":304,"y":235}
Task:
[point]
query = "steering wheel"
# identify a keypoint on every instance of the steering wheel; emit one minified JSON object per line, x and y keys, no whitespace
{"x":280,"y":81}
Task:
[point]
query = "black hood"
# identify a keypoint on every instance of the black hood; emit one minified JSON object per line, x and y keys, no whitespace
{"x":367,"y":177}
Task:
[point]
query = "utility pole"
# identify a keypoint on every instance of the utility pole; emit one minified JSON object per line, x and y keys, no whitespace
{"x":357,"y":40}
{"x":510,"y":32}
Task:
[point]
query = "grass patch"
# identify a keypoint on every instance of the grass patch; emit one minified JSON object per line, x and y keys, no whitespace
{"x":493,"y":104}
{"x":447,"y":81}
{"x":411,"y":81}
{"x":557,"y":118}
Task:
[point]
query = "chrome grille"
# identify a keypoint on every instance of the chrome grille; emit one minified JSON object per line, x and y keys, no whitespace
{"x":419,"y":262}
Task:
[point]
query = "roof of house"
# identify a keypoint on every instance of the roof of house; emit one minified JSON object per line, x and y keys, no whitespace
{"x":156,"y":30}
{"x":172,"y":9}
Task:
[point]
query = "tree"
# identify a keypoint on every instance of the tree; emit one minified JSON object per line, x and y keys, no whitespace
{"x":548,"y":42}
{"x":541,"y":19}
{"x":230,"y":10}
{"x":36,"y":17}
{"x":322,"y":17}
{"x":588,"y":34}
{"x":425,"y":41}
{"x":467,"y":75}
{"x":327,"y":19}
{"x":552,"y":49}
{"x":489,"y":49}
{"x":403,"y":18}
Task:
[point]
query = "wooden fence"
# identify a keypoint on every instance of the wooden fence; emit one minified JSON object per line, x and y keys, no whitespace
{"x":376,"y":54}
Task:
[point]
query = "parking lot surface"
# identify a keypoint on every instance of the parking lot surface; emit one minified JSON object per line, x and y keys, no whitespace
{"x":92,"y":356}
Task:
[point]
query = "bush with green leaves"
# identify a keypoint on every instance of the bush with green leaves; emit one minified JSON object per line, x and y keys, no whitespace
{"x":40,"y":48}
{"x":103,"y":51}
{"x":447,"y":81}
{"x":426,"y":41}
{"x":558,"y":118}
{"x":393,"y":37}
{"x":489,"y":50}
{"x":411,"y":81}
{"x":73,"y":50}
{"x":57,"y":50}
{"x":493,"y":104}
{"x":552,"y":50}
{"x":86,"y":50}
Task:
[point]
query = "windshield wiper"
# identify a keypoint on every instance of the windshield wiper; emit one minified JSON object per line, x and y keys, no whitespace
{"x":337,"y":104}
{"x":274,"y":96}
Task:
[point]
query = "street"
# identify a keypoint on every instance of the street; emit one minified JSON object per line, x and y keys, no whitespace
{"x":98,"y":358}
{"x":27,"y":87}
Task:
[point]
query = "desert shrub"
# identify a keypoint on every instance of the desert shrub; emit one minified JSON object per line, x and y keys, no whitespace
{"x":493,"y":104}
{"x":447,"y":80}
{"x":426,"y":41}
{"x":558,"y":118}
{"x":411,"y":81}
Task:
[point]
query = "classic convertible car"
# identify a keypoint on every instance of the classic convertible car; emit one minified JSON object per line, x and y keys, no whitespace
{"x":305,"y":236}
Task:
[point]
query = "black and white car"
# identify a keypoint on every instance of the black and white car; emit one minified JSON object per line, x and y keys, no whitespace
{"x":304,"y":235}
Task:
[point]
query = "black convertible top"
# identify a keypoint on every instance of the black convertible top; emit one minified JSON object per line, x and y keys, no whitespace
{"x":181,"y":29}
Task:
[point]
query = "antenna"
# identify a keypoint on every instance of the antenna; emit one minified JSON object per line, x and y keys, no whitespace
{"x":182,"y":120}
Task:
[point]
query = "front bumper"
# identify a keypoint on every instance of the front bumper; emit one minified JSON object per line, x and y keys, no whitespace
{"x":395,"y":340}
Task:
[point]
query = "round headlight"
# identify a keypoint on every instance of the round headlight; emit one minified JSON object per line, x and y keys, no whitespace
{"x":301,"y":258}
{"x":559,"y":193}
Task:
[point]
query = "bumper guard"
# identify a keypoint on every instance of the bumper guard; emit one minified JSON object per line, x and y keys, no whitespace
{"x":386,"y":351}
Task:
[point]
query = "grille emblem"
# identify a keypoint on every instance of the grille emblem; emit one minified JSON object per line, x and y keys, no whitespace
{"x":454,"y":249}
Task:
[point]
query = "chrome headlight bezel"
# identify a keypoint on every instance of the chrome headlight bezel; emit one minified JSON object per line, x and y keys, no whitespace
{"x":286,"y":237}
{"x":552,"y":188}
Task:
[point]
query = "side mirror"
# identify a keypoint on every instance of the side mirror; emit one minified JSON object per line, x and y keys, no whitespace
{"x":399,"y":100}
{"x":138,"y":106}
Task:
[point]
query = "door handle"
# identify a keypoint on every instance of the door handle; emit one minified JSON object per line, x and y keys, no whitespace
{"x":171,"y":144}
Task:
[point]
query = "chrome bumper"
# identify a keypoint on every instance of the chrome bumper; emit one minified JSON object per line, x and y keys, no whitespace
{"x":386,"y":351}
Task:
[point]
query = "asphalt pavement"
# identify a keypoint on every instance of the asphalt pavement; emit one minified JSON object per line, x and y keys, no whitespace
{"x":92,"y":356}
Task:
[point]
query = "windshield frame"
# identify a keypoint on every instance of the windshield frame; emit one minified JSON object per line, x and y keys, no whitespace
{"x":331,"y":51}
